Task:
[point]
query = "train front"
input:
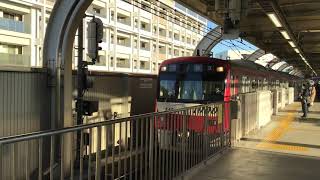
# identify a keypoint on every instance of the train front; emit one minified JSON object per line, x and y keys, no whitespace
{"x":185,"y":83}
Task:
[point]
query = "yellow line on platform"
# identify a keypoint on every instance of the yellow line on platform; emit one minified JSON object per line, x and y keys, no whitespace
{"x":277,"y":133}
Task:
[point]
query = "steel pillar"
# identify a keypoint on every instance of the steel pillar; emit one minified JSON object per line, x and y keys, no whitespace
{"x":58,"y":46}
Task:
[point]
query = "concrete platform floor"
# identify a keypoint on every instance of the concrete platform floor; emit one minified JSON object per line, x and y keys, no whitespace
{"x":249,"y":164}
{"x":288,"y":148}
{"x":288,"y":133}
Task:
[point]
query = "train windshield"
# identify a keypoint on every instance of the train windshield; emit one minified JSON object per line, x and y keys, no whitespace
{"x":191,"y":85}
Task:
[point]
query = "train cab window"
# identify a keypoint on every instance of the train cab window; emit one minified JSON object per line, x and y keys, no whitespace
{"x":243,"y":84}
{"x":253,"y":85}
{"x":167,"y":89}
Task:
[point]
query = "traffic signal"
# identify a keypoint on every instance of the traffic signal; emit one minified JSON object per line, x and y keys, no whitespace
{"x":95,"y":36}
{"x":88,"y":107}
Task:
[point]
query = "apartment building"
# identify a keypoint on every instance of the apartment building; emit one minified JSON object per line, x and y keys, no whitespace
{"x":233,"y":54}
{"x":138,"y":34}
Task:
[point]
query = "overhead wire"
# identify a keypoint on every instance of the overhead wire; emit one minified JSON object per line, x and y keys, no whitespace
{"x":173,"y":14}
{"x":180,"y":21}
{"x":206,"y":33}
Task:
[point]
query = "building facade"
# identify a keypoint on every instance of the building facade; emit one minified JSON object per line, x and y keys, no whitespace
{"x":138,"y":34}
{"x":233,"y":54}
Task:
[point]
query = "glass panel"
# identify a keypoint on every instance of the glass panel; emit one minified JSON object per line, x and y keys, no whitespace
{"x":12,"y":25}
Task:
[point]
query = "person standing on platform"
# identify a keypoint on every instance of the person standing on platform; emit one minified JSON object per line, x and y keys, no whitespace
{"x":304,"y":95}
{"x":313,"y":92}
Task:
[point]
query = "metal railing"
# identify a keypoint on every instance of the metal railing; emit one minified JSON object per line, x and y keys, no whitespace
{"x":160,"y":146}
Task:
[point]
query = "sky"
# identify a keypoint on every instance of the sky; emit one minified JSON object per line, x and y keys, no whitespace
{"x":234,"y":45}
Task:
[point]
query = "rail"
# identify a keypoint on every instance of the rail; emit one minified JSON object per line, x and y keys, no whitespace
{"x":161,"y":145}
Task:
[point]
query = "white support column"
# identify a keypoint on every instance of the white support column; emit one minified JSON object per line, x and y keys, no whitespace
{"x":33,"y":31}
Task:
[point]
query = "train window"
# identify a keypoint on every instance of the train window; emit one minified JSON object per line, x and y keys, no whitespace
{"x":232,"y":86}
{"x":243,"y":84}
{"x":236,"y":85}
{"x":167,"y":89}
{"x":253,"y":85}
{"x":265,"y":84}
{"x":172,"y":68}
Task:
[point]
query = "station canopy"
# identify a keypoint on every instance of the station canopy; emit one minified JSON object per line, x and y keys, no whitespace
{"x":288,"y":29}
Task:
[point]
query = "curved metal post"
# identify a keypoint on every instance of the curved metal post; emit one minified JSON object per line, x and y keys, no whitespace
{"x":58,"y":45}
{"x":283,"y":66}
{"x":207,"y":43}
{"x":256,"y":55}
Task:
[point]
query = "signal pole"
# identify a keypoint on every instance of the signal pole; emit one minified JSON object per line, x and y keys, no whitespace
{"x":84,"y":107}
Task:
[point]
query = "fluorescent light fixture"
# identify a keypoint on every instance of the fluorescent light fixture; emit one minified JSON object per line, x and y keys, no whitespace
{"x":285,"y":34}
{"x":296,"y":50}
{"x":291,"y":43}
{"x":312,"y":31}
{"x":274,"y":19}
{"x":301,"y":55}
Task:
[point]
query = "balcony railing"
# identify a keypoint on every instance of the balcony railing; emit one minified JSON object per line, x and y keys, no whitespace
{"x":11,"y":25}
{"x":14,"y":60}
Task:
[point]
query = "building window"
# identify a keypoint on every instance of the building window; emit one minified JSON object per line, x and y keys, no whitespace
{"x":176,"y":52}
{"x":145,"y":65}
{"x":135,"y":43}
{"x":176,"y":36}
{"x":112,"y":15}
{"x":111,"y":39}
{"x":154,"y":67}
{"x":154,"y":48}
{"x":154,"y":29}
{"x":188,"y":40}
{"x":111,"y":61}
{"x":144,"y":46}
{"x":96,"y":11}
{"x":136,"y":23}
{"x":15,"y":17}
{"x":170,"y":34}
{"x":135,"y":64}
{"x":162,"y":49}
{"x":162,"y":32}
{"x":10,"y":49}
{"x":123,"y":19}
{"x":123,"y":63}
{"x":123,"y":41}
{"x":143,"y":26}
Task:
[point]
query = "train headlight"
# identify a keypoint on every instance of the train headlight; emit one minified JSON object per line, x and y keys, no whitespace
{"x":220,"y":69}
{"x":163,"y":68}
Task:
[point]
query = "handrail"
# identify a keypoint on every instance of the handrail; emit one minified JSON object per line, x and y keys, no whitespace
{"x":138,"y":145}
{"x":34,"y":135}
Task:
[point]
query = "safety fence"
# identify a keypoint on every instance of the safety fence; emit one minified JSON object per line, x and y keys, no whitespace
{"x":161,"y":145}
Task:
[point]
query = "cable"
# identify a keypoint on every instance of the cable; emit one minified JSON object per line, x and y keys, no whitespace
{"x":175,"y":18}
{"x":206,"y":36}
{"x":207,"y":28}
{"x":187,"y":17}
{"x":206,"y":32}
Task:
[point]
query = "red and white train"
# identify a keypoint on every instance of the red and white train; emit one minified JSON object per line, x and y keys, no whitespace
{"x":189,"y":81}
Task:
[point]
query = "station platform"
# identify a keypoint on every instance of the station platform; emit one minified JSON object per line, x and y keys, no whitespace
{"x":286,"y":148}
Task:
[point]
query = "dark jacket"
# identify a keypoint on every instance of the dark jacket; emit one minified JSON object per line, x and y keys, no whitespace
{"x":305,"y":93}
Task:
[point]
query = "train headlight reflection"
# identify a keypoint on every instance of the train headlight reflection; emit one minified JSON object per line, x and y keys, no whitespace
{"x":180,"y":134}
{"x":163,"y":68}
{"x":220,"y":69}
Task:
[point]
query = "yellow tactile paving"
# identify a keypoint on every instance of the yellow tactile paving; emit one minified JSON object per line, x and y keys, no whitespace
{"x":276,"y":134}
{"x":281,"y":147}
